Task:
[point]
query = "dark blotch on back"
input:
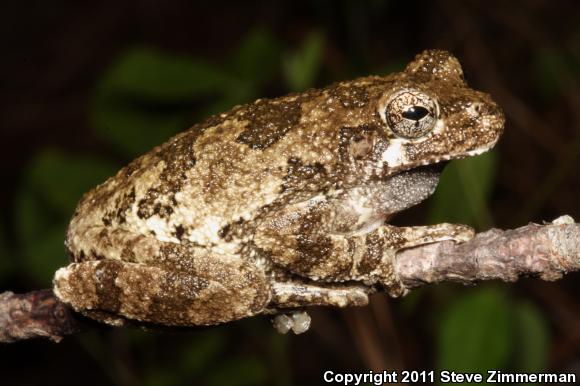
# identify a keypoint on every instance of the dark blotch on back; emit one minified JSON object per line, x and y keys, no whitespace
{"x":146,"y":205}
{"x":179,"y":157}
{"x":236,"y":229}
{"x":223,"y":233}
{"x":269,"y":121}
{"x":302,"y":176}
{"x":179,"y":231}
{"x":125,"y":204}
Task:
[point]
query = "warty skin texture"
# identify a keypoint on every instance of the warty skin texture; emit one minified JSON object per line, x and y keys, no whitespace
{"x":278,"y":204}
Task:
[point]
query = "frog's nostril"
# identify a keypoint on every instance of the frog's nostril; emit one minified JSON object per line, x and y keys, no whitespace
{"x":476,"y":109}
{"x":482,"y":109}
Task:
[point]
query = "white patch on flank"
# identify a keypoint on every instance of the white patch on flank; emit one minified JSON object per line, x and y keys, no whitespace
{"x":364,"y":213}
{"x":368,"y":220}
{"x":160,"y":227}
{"x":207,"y":232}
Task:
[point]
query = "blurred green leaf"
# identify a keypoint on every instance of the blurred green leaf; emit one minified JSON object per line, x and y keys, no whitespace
{"x":97,"y":345}
{"x":148,"y":74}
{"x":139,"y":339}
{"x":60,"y":179}
{"x":396,"y":64}
{"x":464,"y":187}
{"x":248,"y":372}
{"x":301,"y":66}
{"x":32,"y":217}
{"x":475,"y":332}
{"x":532,"y":338}
{"x":158,"y":376}
{"x":135,"y":130}
{"x":552,"y":70}
{"x":53,"y":185}
{"x":6,"y":265}
{"x":411,"y":302}
{"x":227,"y":102}
{"x":146,"y":97}
{"x":257,"y":58}
{"x":201,"y":352}
{"x":278,"y":360}
{"x":42,"y":242}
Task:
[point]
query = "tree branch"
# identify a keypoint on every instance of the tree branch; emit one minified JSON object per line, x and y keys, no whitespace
{"x":547,"y":251}
{"x":36,"y":314}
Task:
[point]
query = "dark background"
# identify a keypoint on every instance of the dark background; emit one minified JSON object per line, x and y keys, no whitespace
{"x":87,"y":86}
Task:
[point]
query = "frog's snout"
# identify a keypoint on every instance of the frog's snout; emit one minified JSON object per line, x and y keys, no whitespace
{"x":489,"y":115}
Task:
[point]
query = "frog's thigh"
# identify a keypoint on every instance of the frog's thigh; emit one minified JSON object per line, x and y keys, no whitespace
{"x":297,"y":294}
{"x":215,"y":293}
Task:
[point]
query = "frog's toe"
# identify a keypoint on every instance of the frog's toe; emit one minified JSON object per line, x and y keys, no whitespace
{"x":297,"y":321}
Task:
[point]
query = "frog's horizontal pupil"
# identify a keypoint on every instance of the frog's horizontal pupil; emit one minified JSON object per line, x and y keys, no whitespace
{"x":415,"y":113}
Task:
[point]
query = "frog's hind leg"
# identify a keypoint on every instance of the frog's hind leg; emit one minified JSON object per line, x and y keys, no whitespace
{"x":215,"y":292}
{"x":296,"y":294}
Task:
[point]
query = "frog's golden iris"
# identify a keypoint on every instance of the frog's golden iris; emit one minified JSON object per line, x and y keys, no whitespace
{"x":410,"y":113}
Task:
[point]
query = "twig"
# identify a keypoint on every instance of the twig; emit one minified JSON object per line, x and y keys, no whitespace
{"x":36,"y":314}
{"x":547,"y":251}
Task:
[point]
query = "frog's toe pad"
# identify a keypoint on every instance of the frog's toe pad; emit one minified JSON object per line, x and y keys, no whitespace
{"x":298,"y":322}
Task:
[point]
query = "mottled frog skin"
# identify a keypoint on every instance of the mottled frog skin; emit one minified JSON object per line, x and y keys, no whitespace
{"x":278,"y":204}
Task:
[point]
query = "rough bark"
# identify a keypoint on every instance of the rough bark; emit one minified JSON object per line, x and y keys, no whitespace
{"x":36,"y":314}
{"x":546,"y":251}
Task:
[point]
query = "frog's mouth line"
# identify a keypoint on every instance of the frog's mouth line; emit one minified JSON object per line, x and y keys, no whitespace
{"x":433,"y":170}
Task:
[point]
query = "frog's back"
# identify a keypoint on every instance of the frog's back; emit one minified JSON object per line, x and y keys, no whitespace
{"x":190,"y":187}
{"x":224,"y":170}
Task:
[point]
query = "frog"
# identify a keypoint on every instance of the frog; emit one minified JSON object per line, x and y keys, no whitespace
{"x":277,"y":205}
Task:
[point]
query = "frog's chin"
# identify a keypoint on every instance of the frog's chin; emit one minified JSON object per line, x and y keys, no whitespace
{"x":415,"y":185}
{"x":393,"y":195}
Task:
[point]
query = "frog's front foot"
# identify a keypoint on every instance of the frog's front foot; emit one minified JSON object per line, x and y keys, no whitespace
{"x":457,"y":232}
{"x":297,"y":321}
{"x":408,"y":237}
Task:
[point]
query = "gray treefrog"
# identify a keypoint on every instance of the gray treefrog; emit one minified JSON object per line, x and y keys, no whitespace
{"x":276,"y":205}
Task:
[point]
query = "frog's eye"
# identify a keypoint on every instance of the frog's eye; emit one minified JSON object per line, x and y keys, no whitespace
{"x":409,"y":113}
